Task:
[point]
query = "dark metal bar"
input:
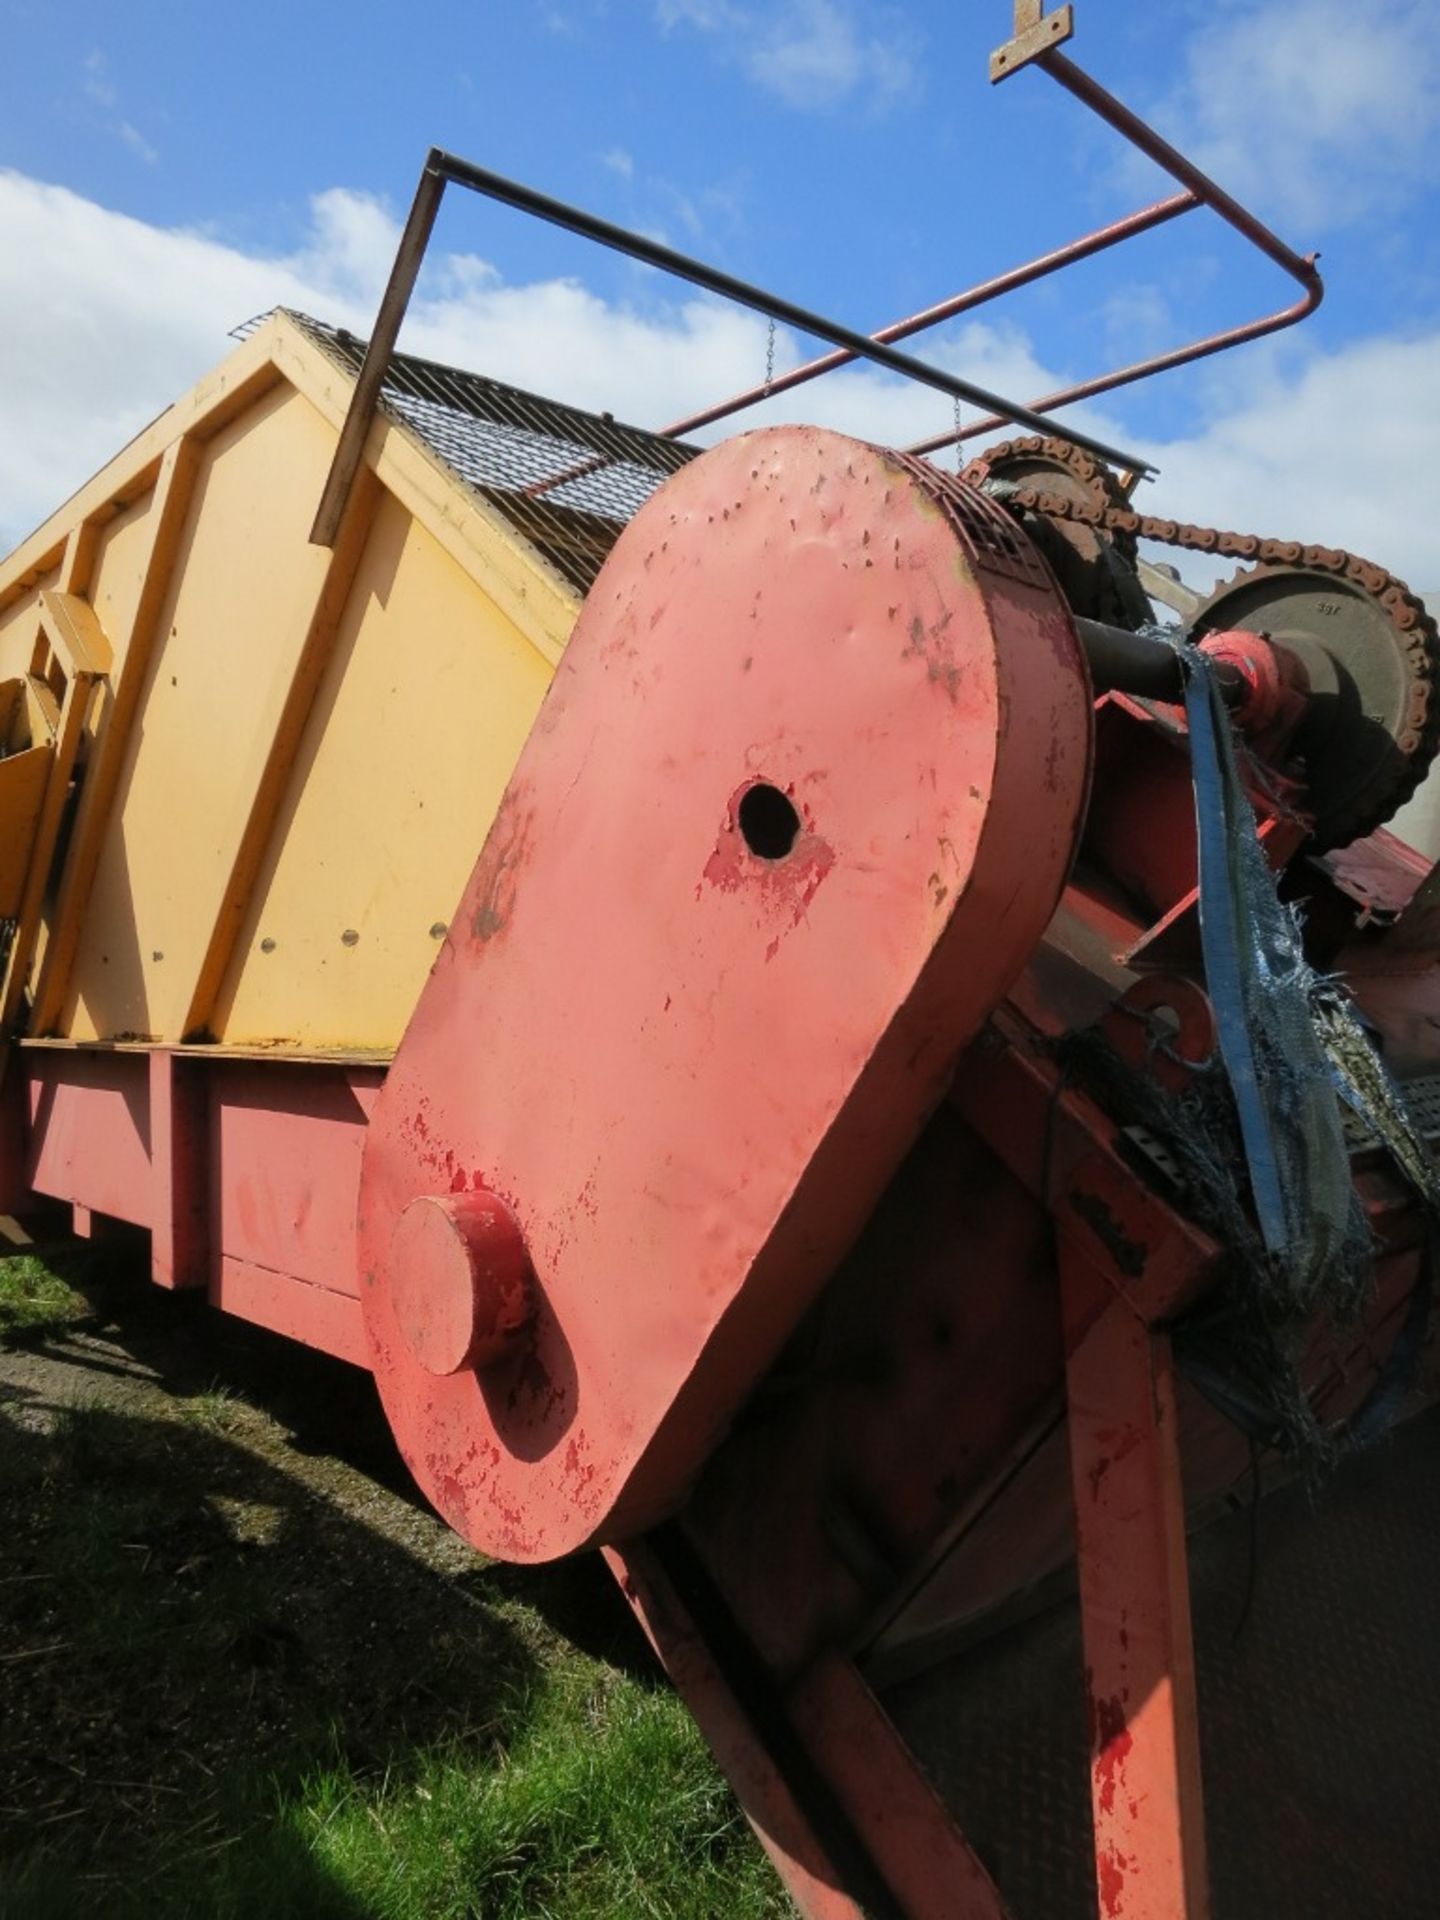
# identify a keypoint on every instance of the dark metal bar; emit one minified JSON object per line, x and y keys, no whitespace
{"x":639,"y":247}
{"x":441,"y":168}
{"x":401,"y":284}
{"x":1144,"y":665}
{"x":1082,"y":249}
{"x":1123,"y":662}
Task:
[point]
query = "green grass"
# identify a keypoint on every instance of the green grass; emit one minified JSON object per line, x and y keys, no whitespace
{"x":606,"y":1804}
{"x":35,"y":1301}
{"x":218,"y":1407}
{"x":223,"y":1693}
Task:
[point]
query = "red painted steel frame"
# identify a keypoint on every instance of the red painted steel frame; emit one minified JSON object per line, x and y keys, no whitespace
{"x":1134,"y":1609}
{"x":726,"y":1096}
{"x":244,"y":1172}
{"x":1198,"y":190}
{"x":1089,"y":244}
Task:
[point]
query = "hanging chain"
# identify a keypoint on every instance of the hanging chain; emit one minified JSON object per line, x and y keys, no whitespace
{"x":770,"y":358}
{"x":959,"y":437}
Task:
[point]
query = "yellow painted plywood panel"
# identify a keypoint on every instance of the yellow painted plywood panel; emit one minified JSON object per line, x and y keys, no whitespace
{"x":243,"y":583}
{"x":427,"y":700}
{"x":121,"y":550}
{"x":19,"y":623}
{"x":22,"y":789}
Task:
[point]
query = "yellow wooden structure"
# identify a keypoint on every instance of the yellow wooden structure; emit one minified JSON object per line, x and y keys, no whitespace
{"x":245,"y":777}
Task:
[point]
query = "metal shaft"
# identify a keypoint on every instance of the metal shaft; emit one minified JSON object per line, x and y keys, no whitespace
{"x":1124,"y":662}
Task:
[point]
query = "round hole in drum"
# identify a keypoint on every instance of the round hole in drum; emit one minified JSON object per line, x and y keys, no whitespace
{"x":768,"y":822}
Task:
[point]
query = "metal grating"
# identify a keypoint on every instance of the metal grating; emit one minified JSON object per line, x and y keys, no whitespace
{"x":991,"y":537}
{"x":1422,"y":1100}
{"x":566,"y":479}
{"x":1319,"y":1709}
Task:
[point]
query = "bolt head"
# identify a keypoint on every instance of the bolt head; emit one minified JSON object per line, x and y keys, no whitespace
{"x":460,"y":1281}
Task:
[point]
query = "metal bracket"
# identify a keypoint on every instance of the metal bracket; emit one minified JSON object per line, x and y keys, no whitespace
{"x":1036,"y":32}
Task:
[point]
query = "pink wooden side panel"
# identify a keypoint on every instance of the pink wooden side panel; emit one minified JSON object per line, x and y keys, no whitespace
{"x":88,"y":1126}
{"x":285,"y":1145}
{"x":246,"y":1173}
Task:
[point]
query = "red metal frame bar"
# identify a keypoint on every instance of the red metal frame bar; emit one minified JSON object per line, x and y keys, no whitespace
{"x":1141,"y":221}
{"x":442,"y":169}
{"x":1205,"y":192}
{"x":1199,"y":190}
{"x":1145,"y":1791}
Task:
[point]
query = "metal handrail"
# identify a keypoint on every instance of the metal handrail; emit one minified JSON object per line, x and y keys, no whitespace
{"x":442,"y":168}
{"x":1038,"y":36}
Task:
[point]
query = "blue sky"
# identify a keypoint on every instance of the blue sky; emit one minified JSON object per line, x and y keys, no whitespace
{"x":166,"y":171}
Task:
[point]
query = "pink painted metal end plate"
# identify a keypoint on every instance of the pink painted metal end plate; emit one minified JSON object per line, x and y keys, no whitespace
{"x":799,"y":803}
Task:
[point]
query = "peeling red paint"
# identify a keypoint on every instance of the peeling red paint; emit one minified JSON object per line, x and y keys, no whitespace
{"x":790,"y":883}
{"x":1111,"y":1743}
{"x":1110,"y":1865}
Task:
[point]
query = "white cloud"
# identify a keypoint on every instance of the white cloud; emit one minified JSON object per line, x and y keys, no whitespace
{"x":1321,"y":110}
{"x":136,"y":142}
{"x":105,"y":320}
{"x":1334,"y":449}
{"x":813,"y":54}
{"x":100,"y":90}
{"x":619,"y":161}
{"x":97,"y":84}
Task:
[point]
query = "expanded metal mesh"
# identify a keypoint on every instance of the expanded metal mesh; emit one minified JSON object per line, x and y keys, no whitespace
{"x":566,"y":479}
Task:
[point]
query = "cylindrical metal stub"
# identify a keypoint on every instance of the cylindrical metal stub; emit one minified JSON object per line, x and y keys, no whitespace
{"x":460,"y":1280}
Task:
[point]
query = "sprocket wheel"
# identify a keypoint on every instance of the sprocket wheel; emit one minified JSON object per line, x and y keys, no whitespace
{"x":1372,"y":726}
{"x":1095,"y":567}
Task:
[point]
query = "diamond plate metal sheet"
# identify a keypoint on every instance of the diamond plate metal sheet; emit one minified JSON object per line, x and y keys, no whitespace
{"x":1319,"y":1711}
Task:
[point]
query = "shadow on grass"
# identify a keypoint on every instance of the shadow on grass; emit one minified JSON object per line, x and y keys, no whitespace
{"x":223,"y":1693}
{"x":194,"y":1353}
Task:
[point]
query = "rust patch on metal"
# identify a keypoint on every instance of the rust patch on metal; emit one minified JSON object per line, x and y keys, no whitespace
{"x":505,"y":853}
{"x":1129,"y":1255}
{"x":932,"y":645}
{"x":1112,"y":1742}
{"x":1110,"y":1869}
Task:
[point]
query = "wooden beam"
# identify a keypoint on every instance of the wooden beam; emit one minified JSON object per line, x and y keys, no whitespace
{"x":42,"y":851}
{"x":179,"y":1221}
{"x":173,"y":489}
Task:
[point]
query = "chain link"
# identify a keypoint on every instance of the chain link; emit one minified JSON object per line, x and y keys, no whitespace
{"x":1417,"y":631}
{"x":1406,"y":610}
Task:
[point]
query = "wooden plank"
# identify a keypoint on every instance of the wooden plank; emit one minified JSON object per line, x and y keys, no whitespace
{"x":179,"y":1164}
{"x":270,"y":790}
{"x":173,"y":489}
{"x":42,"y":852}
